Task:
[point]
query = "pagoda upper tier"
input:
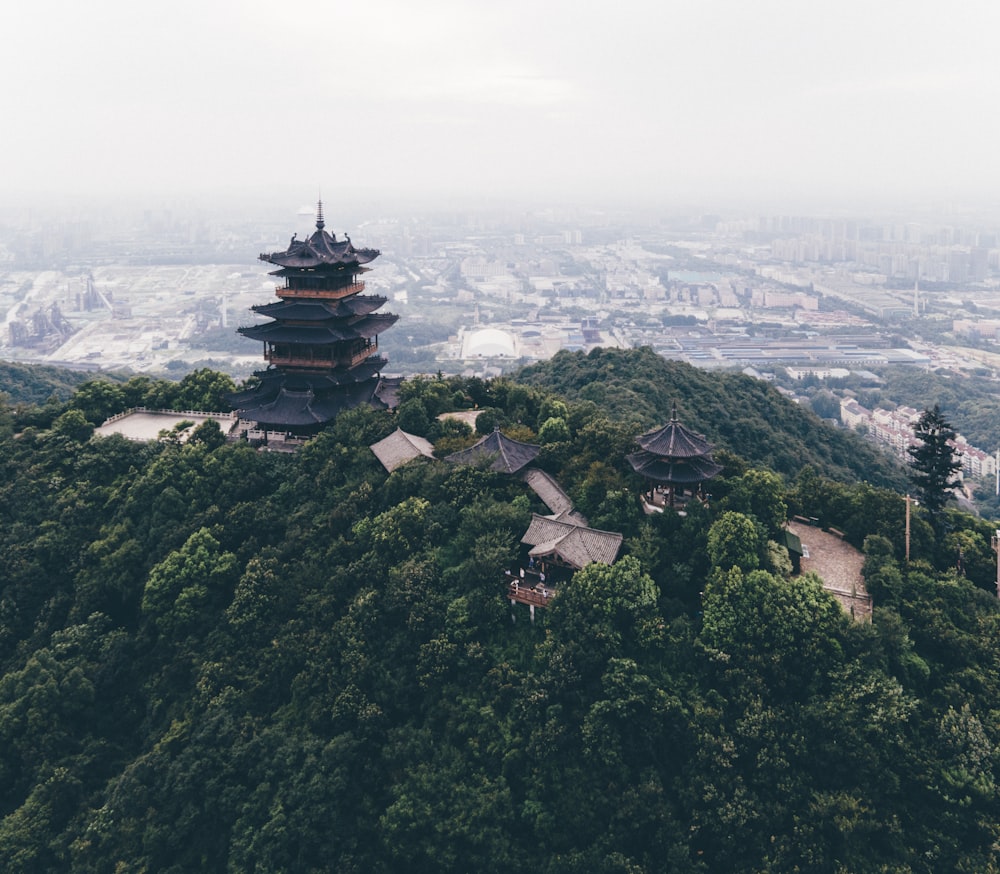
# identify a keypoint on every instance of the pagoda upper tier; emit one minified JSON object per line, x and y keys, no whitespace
{"x":322,"y":249}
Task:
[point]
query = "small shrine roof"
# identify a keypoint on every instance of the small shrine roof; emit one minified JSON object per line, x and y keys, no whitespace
{"x":576,"y":545}
{"x":549,"y":491}
{"x":509,"y":455}
{"x":400,"y":447}
{"x":792,"y":542}
{"x":388,"y":391}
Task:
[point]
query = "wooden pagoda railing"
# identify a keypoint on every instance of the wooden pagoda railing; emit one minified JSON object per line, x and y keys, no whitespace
{"x":306,"y":361}
{"x":319,"y":293}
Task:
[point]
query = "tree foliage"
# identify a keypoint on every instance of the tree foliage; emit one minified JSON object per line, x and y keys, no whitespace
{"x":933,"y":465}
{"x":216,"y":659}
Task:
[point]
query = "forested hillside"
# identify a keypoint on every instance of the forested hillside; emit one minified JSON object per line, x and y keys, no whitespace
{"x":218,"y":659}
{"x":736,"y":411}
{"x":36,"y":383}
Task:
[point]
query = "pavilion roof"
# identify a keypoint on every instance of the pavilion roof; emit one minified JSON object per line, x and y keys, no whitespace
{"x":400,"y":447}
{"x":673,"y":440}
{"x":575,"y":545}
{"x":509,"y":455}
{"x":680,"y":472}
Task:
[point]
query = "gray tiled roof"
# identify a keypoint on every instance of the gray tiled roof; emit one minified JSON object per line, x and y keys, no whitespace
{"x":509,"y":456}
{"x":576,"y":545}
{"x":678,"y":471}
{"x":548,"y":490}
{"x":400,"y":447}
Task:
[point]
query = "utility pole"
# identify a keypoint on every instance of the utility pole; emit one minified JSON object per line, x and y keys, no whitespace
{"x":995,"y":543}
{"x":909,"y":501}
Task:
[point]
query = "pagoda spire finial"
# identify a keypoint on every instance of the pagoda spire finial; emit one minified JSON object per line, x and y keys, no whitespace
{"x":320,"y":224}
{"x":673,"y":412}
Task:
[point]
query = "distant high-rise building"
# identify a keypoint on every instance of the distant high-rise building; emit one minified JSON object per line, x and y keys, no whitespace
{"x":322,"y":343}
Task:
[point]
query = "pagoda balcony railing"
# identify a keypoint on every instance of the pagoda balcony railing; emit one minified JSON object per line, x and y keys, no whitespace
{"x":285,"y":292}
{"x":311,"y":361}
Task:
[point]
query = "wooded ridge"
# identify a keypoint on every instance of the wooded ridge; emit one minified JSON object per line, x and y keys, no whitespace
{"x":219,"y":659}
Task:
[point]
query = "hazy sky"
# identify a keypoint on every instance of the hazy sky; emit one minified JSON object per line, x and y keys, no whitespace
{"x":701,"y":100}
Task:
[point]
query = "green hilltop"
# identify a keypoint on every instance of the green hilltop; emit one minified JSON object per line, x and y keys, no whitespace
{"x":740,"y":413}
{"x":219,"y":659}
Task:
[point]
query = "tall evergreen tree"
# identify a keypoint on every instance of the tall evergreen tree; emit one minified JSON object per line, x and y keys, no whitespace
{"x":933,"y":464}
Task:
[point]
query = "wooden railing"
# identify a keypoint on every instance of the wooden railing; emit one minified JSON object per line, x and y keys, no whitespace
{"x":301,"y":361}
{"x":319,"y":293}
{"x":523,"y":591}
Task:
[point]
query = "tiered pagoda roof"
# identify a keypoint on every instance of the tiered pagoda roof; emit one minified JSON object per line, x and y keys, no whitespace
{"x":334,"y":330}
{"x":322,"y":342}
{"x":320,"y":310}
{"x":673,"y":455}
{"x":299,"y":404}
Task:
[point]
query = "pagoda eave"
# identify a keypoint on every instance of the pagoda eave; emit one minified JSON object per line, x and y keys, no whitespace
{"x":320,"y":310}
{"x":311,"y":335}
{"x":681,"y":472}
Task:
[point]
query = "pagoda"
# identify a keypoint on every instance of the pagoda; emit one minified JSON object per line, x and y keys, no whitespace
{"x":673,"y":459}
{"x":321,"y":344}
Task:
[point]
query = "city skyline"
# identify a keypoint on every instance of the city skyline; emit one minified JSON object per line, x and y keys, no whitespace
{"x":778,"y":103}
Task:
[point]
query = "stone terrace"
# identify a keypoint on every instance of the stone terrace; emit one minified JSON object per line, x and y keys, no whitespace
{"x":838,"y":564}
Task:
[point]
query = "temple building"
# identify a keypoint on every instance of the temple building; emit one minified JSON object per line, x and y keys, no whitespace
{"x":321,"y":344}
{"x":555,"y":550}
{"x":673,"y":459}
{"x":554,"y":543}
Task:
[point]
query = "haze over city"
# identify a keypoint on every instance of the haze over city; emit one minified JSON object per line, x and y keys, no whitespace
{"x":841,"y":106}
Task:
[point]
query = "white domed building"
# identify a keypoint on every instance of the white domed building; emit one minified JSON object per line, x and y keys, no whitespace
{"x":489,"y":343}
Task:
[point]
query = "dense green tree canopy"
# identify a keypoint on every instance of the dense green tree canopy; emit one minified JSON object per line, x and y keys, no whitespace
{"x":734,"y":411}
{"x":218,"y":659}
